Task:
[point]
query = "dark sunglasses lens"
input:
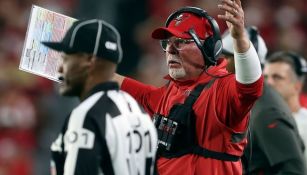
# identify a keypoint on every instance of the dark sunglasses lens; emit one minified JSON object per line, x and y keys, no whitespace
{"x":164,"y":44}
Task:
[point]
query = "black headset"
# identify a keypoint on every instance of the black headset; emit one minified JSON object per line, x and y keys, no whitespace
{"x":253,"y":36}
{"x":212,"y":47}
{"x":299,"y":63}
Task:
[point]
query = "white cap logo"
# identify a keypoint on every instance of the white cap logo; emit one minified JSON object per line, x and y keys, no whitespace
{"x":111,"y":45}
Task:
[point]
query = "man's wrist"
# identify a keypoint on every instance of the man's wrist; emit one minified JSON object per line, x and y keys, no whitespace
{"x":241,"y":45}
{"x":247,"y":65}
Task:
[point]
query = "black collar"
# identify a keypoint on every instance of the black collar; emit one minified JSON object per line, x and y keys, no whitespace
{"x":103,"y":87}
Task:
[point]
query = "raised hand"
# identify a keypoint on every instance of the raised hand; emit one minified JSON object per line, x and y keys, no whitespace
{"x":234,"y":17}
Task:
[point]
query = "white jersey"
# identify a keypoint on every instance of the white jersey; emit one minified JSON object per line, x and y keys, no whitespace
{"x":107,"y":133}
{"x":301,"y":121}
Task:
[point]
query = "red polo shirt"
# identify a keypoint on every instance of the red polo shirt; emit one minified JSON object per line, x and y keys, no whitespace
{"x":221,"y":111}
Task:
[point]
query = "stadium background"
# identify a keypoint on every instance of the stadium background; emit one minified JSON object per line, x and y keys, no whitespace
{"x":31,"y":111}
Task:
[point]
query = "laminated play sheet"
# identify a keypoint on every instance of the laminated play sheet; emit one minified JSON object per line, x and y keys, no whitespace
{"x":44,"y":25}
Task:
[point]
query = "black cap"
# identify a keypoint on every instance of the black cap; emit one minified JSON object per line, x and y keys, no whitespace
{"x":94,"y":36}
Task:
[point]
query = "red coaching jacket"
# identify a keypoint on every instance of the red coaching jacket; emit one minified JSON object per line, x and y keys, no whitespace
{"x":222,"y":111}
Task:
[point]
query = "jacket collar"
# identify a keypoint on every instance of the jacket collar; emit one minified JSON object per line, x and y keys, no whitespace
{"x":218,"y":70}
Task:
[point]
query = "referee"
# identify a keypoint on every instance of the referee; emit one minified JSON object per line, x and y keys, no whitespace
{"x":107,"y":133}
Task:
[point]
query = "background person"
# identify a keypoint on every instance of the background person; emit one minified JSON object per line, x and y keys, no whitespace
{"x":285,"y":71}
{"x":271,"y":123}
{"x":107,"y":133}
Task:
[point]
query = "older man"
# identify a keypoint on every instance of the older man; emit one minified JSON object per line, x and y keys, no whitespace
{"x":202,"y":113}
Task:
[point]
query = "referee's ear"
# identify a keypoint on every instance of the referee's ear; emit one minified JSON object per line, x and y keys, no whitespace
{"x":90,"y":60}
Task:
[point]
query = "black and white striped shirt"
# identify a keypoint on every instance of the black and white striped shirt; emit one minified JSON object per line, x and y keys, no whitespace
{"x":107,"y":133}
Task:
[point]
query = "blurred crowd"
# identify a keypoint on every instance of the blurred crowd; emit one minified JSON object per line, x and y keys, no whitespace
{"x":30,"y":109}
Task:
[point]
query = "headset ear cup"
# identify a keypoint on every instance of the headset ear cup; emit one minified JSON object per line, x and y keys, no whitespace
{"x":209,"y":47}
{"x":218,"y":47}
{"x":213,"y":48}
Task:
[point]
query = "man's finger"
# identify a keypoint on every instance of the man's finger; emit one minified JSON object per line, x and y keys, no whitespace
{"x":238,"y":2}
{"x":229,"y":18}
{"x":229,"y":3}
{"x":228,"y":9}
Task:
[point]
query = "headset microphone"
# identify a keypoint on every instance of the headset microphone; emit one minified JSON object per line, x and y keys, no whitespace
{"x":196,"y":65}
